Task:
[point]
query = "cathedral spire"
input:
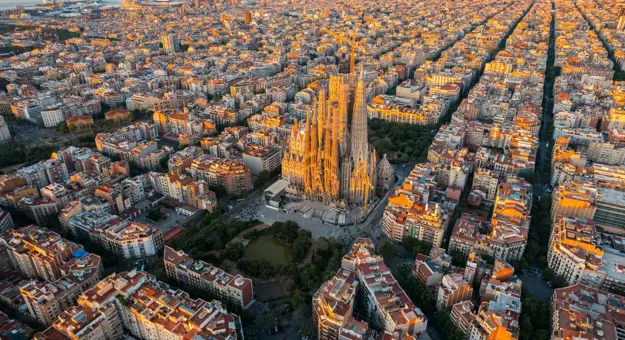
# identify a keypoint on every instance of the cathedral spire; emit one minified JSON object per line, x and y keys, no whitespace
{"x":308,"y":150}
{"x":321,"y":114}
{"x":359,"y":122}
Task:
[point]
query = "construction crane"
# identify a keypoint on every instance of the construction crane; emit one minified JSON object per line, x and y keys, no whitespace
{"x":353,"y":45}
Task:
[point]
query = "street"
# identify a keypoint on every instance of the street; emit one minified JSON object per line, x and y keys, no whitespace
{"x":547,"y":108}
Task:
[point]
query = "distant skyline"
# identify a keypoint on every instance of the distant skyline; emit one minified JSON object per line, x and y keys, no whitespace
{"x":9,"y":4}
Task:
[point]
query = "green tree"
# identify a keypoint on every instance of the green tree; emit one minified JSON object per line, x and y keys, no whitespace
{"x":306,"y":328}
{"x":458,"y":259}
{"x":548,"y":274}
{"x":559,"y":281}
{"x":416,"y":246}
{"x":404,"y":142}
{"x":301,"y":245}
{"x":62,"y":127}
{"x":309,"y":277}
{"x":300,"y":300}
{"x":219,"y":191}
{"x":286,"y":232}
{"x":533,"y":323}
{"x":163,"y":163}
{"x":156,"y":215}
{"x":232,"y":252}
{"x":263,"y":178}
{"x":387,"y":250}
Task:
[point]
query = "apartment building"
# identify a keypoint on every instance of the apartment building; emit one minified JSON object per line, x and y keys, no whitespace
{"x":502,"y":295}
{"x":135,"y":303}
{"x":34,"y":175}
{"x":128,"y":239}
{"x":579,"y":311}
{"x":469,"y":231}
{"x":200,"y":275}
{"x":11,"y":328}
{"x":610,"y":213}
{"x":462,"y":316}
{"x":489,"y":325}
{"x":5,"y":134}
{"x":6,"y":221}
{"x":40,"y":209}
{"x":453,"y":289}
{"x":10,"y":295}
{"x":429,"y":270}
{"x":574,"y":199}
{"x":47,"y":300}
{"x":572,"y":252}
{"x":155,"y":311}
{"x":385,"y":303}
{"x":125,"y":239}
{"x":258,"y":158}
{"x":52,"y":116}
{"x":232,"y":175}
{"x":84,"y":322}
{"x":508,"y":241}
{"x":83,"y":222}
{"x":513,"y":202}
{"x":181,"y":160}
{"x":411,"y":212}
{"x":511,"y":217}
{"x":487,"y":181}
{"x":184,"y":189}
{"x":38,"y":252}
{"x":55,"y":171}
{"x":333,"y":307}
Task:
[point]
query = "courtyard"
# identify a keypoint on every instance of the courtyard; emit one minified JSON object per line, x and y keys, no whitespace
{"x":169,"y":218}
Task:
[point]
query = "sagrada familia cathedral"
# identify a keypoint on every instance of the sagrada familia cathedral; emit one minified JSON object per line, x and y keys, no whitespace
{"x":329,"y":159}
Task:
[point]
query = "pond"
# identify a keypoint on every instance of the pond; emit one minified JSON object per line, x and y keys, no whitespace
{"x":268,"y":247}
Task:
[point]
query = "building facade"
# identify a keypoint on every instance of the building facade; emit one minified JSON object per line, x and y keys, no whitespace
{"x":200,"y":275}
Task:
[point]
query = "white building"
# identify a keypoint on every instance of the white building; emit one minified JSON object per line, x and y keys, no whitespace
{"x":259,"y":159}
{"x":52,"y":116}
{"x":5,"y":134}
{"x":6,"y":222}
